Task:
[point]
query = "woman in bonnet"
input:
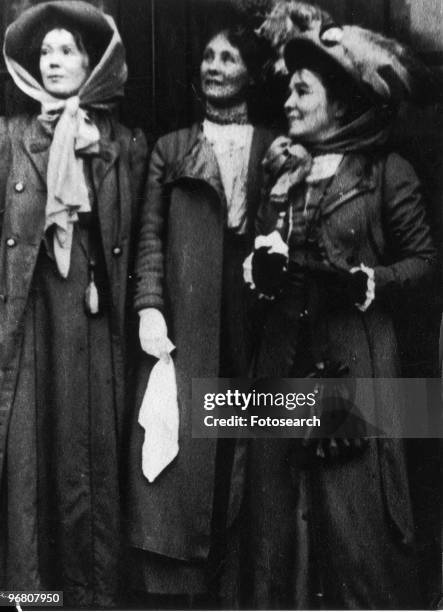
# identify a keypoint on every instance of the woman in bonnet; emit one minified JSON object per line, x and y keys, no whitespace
{"x":70,"y":176}
{"x":342,"y":235}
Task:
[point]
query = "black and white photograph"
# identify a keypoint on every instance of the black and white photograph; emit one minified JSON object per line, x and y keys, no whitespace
{"x":221,"y":298}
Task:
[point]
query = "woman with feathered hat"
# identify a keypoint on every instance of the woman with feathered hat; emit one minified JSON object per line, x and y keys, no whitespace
{"x":69,"y":180}
{"x":342,"y":233}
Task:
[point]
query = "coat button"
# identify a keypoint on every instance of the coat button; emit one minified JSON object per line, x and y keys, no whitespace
{"x":19,"y":187}
{"x":11,"y":242}
{"x":117,"y":251}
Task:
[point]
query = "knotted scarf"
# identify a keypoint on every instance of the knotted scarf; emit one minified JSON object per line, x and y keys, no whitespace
{"x":73,"y":134}
{"x":287,"y":164}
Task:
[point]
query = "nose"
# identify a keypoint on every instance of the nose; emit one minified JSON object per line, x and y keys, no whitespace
{"x":53,"y":59}
{"x":291,"y":102}
{"x":214,"y":65}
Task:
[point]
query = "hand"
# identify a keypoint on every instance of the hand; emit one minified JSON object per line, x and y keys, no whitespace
{"x":247,"y":271}
{"x":363,"y":287}
{"x":153,"y":334}
{"x":268,"y":271}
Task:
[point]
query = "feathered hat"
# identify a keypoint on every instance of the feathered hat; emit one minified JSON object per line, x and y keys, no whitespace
{"x":380,"y":66}
{"x":285,"y":20}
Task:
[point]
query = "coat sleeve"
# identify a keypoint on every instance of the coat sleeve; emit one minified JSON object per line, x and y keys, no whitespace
{"x":407,"y":233}
{"x":150,"y":257}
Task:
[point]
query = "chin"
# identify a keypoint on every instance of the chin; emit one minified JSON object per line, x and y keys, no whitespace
{"x":60,"y":93}
{"x":296,"y":133}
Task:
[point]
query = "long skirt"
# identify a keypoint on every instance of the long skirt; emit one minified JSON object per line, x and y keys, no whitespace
{"x":324,"y":535}
{"x":61,"y":493}
{"x":213,"y":581}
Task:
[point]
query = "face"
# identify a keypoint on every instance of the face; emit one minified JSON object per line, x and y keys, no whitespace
{"x":224,"y":75}
{"x":63,"y":66}
{"x":311,"y":116}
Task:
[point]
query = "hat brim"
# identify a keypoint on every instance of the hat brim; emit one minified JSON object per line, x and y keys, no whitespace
{"x":79,"y":15}
{"x":305,"y":53}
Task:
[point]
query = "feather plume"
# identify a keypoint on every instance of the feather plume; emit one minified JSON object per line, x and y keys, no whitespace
{"x":287,"y":19}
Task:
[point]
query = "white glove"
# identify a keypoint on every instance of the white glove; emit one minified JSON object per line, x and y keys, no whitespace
{"x":247,"y":270}
{"x":274,"y":242}
{"x":370,"y":287}
{"x":153,"y":334}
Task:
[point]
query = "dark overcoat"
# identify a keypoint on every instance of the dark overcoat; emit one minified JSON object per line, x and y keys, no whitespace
{"x":179,"y":270}
{"x":356,"y":514}
{"x":118,"y":174}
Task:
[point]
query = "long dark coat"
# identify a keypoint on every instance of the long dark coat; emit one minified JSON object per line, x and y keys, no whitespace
{"x":118,"y":174}
{"x":352,"y":520}
{"x":179,"y":270}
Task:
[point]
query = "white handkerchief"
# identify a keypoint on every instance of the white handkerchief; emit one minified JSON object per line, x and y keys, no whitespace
{"x":159,"y":418}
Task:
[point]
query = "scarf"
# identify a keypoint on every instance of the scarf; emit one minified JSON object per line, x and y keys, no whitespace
{"x":73,"y":134}
{"x":287,"y":164}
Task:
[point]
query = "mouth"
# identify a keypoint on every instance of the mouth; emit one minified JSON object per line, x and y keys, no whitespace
{"x":55,"y":77}
{"x":214,"y":82}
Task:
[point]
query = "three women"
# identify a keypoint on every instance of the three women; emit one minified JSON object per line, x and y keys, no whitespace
{"x":67,"y":227}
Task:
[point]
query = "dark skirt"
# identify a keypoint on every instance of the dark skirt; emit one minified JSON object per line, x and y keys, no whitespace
{"x":323,"y":535}
{"x":62,"y":493}
{"x":213,"y":581}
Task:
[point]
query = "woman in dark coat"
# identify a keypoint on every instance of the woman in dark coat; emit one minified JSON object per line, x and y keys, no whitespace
{"x":197,"y":227}
{"x":70,"y":181}
{"x":348,"y":221}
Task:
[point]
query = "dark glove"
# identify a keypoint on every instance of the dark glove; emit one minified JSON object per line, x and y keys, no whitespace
{"x":357,"y":285}
{"x":268,"y":271}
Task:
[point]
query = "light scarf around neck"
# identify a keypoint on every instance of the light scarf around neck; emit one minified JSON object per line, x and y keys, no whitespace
{"x":73,"y":133}
{"x":288,"y":163}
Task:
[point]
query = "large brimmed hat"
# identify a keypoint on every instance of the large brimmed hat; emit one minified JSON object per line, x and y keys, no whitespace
{"x":285,"y":20}
{"x":383,"y":68}
{"x":75,"y":14}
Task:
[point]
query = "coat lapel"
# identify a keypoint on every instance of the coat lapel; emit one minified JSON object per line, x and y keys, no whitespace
{"x":101,"y":165}
{"x":36,"y":142}
{"x":351,"y":179}
{"x":261,"y":140}
{"x":198,"y":163}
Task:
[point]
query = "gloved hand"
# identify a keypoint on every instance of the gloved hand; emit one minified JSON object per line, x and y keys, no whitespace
{"x":362,"y":287}
{"x":268,"y":271}
{"x":269,"y":263}
{"x":153,"y":333}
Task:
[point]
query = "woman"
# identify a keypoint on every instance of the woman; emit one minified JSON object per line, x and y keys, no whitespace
{"x":196,"y":229}
{"x":70,"y":181}
{"x":343,"y":228}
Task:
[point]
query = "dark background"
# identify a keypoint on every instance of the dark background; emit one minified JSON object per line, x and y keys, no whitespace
{"x":164,"y":39}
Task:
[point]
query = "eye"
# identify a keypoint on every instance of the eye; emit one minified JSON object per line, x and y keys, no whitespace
{"x":302,"y":90}
{"x":44,"y":51}
{"x":227,"y":57}
{"x":67,"y":50}
{"x":208,"y":55}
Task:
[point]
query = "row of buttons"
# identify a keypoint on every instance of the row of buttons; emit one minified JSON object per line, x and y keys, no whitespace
{"x":11,"y":242}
